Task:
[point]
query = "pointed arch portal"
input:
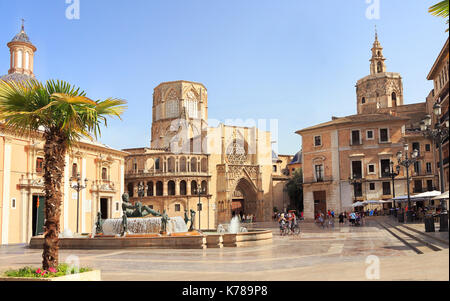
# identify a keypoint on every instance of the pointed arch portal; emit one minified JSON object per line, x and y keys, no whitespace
{"x":244,"y":198}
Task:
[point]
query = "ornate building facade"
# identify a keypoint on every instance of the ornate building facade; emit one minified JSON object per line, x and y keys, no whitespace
{"x":221,"y":170}
{"x":21,"y":172}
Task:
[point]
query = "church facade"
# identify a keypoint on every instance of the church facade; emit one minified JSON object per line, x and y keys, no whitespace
{"x":98,"y":167}
{"x":215,"y":171}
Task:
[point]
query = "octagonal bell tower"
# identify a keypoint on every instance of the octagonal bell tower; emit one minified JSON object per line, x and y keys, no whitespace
{"x":179,"y":116}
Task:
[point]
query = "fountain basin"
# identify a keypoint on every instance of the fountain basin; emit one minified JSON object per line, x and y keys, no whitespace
{"x":180,"y":240}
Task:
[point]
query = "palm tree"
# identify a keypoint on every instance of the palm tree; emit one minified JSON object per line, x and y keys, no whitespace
{"x":440,"y":10}
{"x":62,"y":114}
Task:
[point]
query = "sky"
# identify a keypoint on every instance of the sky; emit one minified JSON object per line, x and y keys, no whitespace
{"x":294,"y":61}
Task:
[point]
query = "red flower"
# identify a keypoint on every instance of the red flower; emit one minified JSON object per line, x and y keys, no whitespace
{"x":38,"y":271}
{"x":52,"y":270}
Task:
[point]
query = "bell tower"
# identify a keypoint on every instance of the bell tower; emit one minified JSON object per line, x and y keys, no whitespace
{"x":22,"y":54}
{"x":377,"y":64}
{"x":380,"y":90}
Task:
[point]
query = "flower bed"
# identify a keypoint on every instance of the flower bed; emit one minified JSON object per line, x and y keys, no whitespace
{"x":62,"y":272}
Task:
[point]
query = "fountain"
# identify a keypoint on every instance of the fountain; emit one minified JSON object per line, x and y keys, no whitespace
{"x":137,"y":230}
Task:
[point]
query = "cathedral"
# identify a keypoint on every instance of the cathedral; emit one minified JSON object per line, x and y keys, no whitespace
{"x":215,"y":171}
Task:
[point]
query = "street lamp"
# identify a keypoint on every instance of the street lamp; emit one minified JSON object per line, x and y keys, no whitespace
{"x":392,"y":174}
{"x":439,"y":134}
{"x":78,"y":187}
{"x":200,"y":190}
{"x":407,"y":162}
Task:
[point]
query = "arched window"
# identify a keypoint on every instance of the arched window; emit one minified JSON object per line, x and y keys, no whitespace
{"x":204,"y":165}
{"x":157,"y":164}
{"x":171,"y":188}
{"x":130,"y":187}
{"x":379,"y":67}
{"x":194,"y":164}
{"x":104,"y":173}
{"x":19,"y":59}
{"x":183,"y":164}
{"x":394,"y":99}
{"x":150,"y":188}
{"x":159,"y":188}
{"x":183,"y":188}
{"x":194,"y":188}
{"x":171,"y":164}
{"x":204,"y":187}
{"x":363,"y":100}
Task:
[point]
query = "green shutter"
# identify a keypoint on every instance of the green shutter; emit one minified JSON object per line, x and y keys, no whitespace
{"x":40,"y":216}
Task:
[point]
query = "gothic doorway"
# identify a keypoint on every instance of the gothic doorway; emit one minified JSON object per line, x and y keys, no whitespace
{"x":244,"y":199}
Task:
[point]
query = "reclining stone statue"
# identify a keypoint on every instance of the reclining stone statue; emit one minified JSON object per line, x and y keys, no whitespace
{"x":136,"y":210}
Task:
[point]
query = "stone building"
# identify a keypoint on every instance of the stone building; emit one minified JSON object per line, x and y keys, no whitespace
{"x":348,"y":158}
{"x":21,"y":172}
{"x":439,"y":74}
{"x":225,"y":169}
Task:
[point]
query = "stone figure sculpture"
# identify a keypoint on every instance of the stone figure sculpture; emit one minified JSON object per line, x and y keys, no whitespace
{"x":136,"y":210}
{"x":191,"y":228}
{"x":99,"y":224}
{"x":124,"y":224}
{"x":186,"y":217}
{"x":164,"y":219}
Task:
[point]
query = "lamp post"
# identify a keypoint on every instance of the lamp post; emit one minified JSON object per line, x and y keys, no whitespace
{"x":200,"y":191}
{"x":392,"y":174}
{"x":354,"y":181}
{"x":407,"y":162}
{"x":78,"y":187}
{"x":439,"y":134}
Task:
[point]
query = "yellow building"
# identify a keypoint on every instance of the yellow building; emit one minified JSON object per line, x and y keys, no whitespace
{"x":21,"y":181}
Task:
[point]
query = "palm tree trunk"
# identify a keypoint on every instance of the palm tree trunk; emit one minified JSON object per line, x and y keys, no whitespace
{"x":55,"y":149}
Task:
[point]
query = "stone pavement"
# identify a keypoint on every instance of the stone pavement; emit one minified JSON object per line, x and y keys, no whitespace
{"x":338,"y":253}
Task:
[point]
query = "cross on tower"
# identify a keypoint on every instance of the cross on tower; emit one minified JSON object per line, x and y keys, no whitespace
{"x":23,"y":26}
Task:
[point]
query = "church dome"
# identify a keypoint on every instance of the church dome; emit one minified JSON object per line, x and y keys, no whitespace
{"x":21,"y":37}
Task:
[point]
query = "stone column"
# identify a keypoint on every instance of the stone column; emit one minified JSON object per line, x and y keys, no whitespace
{"x":177,"y":187}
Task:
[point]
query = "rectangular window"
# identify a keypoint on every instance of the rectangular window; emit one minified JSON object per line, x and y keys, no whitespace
{"x":151,"y":206}
{"x":416,"y":145}
{"x":384,"y":135}
{"x":357,"y":189}
{"x":385,"y":168}
{"x":319,"y":172}
{"x":427,"y":147}
{"x":430,"y":185}
{"x":372,"y":186}
{"x":371,"y":168}
{"x":274,"y":169}
{"x":177,"y":207}
{"x":13,"y":203}
{"x":418,"y":186}
{"x":39,"y":164}
{"x":369,"y":135}
{"x":104,"y":173}
{"x":357,"y":169}
{"x":386,"y":188}
{"x":117,"y":206}
{"x":428,"y":167}
{"x":417,"y":167}
{"x":317,"y":140}
{"x":356,"y":137}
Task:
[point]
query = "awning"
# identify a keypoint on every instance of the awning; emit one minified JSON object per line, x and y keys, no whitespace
{"x":426,"y":195}
{"x":357,"y":204}
{"x":441,"y":196}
